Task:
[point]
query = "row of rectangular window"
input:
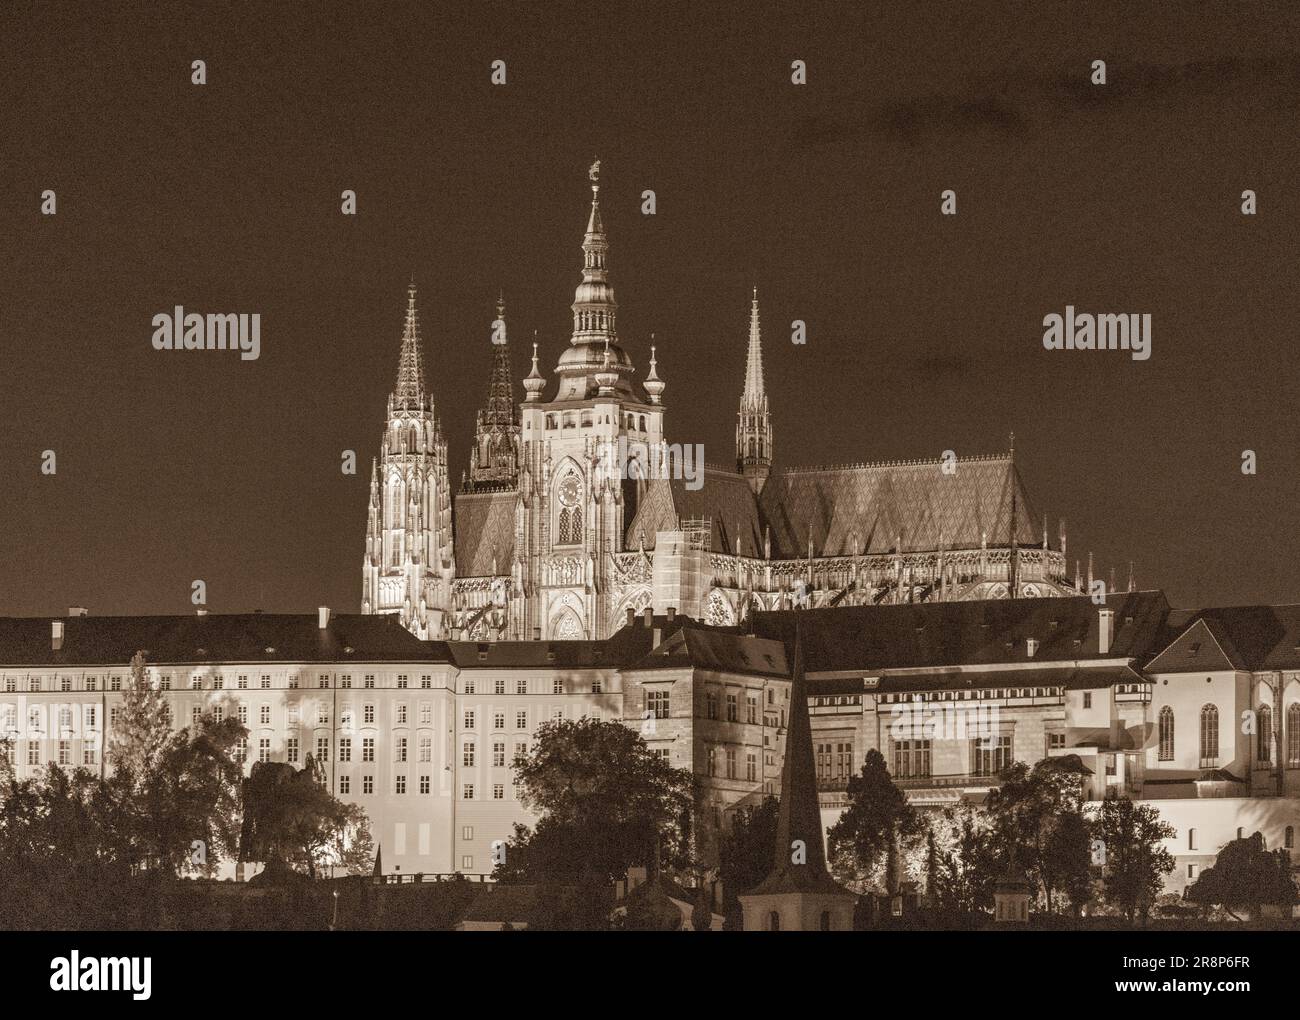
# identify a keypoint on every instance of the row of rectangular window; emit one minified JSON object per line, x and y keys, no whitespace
{"x":218,"y":683}
{"x":499,"y":685}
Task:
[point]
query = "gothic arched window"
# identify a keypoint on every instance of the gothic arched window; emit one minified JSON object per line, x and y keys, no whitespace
{"x":569,"y":526}
{"x":1264,"y":733}
{"x":1166,"y":734}
{"x":1293,"y":735}
{"x":1209,"y":735}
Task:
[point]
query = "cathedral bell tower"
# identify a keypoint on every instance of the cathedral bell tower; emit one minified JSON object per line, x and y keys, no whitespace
{"x":753,"y":422}
{"x":408,"y":566}
{"x":577,"y":491}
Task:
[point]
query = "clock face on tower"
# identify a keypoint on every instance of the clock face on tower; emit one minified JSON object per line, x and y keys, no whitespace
{"x":570,"y":490}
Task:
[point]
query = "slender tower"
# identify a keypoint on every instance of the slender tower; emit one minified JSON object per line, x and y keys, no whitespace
{"x":495,"y":458}
{"x":753,"y":422}
{"x":408,"y":565}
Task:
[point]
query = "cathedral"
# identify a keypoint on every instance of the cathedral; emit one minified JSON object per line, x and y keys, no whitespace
{"x":544,"y":541}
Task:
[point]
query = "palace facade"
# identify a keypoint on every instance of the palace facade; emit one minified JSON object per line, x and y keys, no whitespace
{"x":544,"y":540}
{"x":1194,"y":712}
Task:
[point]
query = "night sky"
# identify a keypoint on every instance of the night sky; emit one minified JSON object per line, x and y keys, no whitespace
{"x":924,"y":331}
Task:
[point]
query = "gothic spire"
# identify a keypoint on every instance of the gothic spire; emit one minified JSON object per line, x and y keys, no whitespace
{"x":799,"y":859}
{"x":410,"y":365}
{"x":495,"y":458}
{"x":753,"y":422}
{"x":501,"y":408}
{"x":754,"y":395}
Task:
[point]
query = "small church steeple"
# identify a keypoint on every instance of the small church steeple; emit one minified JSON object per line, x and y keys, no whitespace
{"x":798,"y":894}
{"x":753,"y":422}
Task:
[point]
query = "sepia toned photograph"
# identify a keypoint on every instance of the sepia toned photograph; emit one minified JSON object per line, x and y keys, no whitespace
{"x":649,"y":468}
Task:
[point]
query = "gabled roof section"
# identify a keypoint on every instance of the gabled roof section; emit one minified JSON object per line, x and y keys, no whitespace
{"x":718,"y":651}
{"x":986,"y":632}
{"x":1256,"y":638}
{"x":232,"y":637}
{"x":485,"y":532}
{"x":869,"y":506}
{"x":724,"y":498}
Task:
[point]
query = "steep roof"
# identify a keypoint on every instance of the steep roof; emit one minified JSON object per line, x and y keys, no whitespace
{"x":878,"y":637}
{"x":719,"y":651}
{"x":230,"y":637}
{"x":1234,"y":637}
{"x":724,"y":498}
{"x":484,"y":525}
{"x":799,"y":816}
{"x":871,"y":505}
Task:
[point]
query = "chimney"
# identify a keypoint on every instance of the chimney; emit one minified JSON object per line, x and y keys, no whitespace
{"x":323,"y":617}
{"x":648,"y":615}
{"x":672,"y":613}
{"x":56,"y":634}
{"x":76,"y":610}
{"x":1105,"y":629}
{"x":631,"y":617}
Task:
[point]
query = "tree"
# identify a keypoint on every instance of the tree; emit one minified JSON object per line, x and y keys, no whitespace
{"x":965,"y":859}
{"x":1069,"y":855}
{"x":745,"y":855}
{"x":1038,"y":814}
{"x":606,"y":803}
{"x":1135,"y":859}
{"x":879,"y":836}
{"x":181,"y":813}
{"x":291,"y":819}
{"x":143,"y":726}
{"x":1246,"y":876}
{"x":58,"y":861}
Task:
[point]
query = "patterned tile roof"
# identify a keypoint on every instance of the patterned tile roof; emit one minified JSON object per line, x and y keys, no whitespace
{"x":871,"y":505}
{"x":485,"y":531}
{"x":725,"y":498}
